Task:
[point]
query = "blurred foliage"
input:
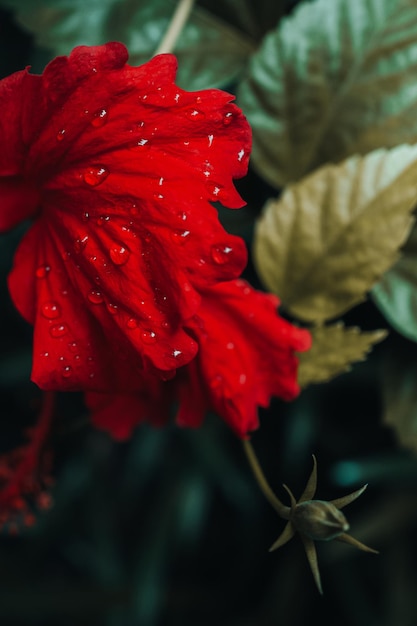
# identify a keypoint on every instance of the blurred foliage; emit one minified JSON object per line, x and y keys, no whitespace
{"x":170,"y":529}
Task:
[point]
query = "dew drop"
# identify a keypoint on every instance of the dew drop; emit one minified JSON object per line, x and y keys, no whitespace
{"x":50,"y":310}
{"x":95,"y":297}
{"x":72,"y":346}
{"x":67,"y":371}
{"x":173,"y":358}
{"x":180,"y":236}
{"x":80,"y":243}
{"x":143,"y":142}
{"x":134,"y":210}
{"x":241,"y":154}
{"x":60,"y":135}
{"x":119,"y":255}
{"x":132,"y":323}
{"x":215,"y":191}
{"x":210,"y":140}
{"x":195,"y":114}
{"x":221,"y":254}
{"x":242,"y":379}
{"x":230,"y":346}
{"x":113,"y":309}
{"x":228,"y":118}
{"x":103,"y":219}
{"x":96,"y":175}
{"x":148,"y":336}
{"x":59,"y":330}
{"x":42,"y":271}
{"x":183,"y":216}
{"x":100,"y":118}
{"x":85,"y":216}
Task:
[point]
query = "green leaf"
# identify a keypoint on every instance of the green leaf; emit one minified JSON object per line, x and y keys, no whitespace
{"x":334,"y":350}
{"x":210,"y":52}
{"x":396,"y":293}
{"x":330,"y":237}
{"x":336,"y":78}
{"x":399,"y":393}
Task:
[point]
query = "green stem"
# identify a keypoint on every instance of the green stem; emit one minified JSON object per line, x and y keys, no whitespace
{"x":175,"y":27}
{"x":282,"y":510}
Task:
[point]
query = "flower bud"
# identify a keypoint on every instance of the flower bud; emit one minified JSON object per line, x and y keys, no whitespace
{"x":319,"y":520}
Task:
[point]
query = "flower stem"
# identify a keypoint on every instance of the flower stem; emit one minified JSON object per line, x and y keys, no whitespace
{"x":175,"y":27}
{"x":282,"y":510}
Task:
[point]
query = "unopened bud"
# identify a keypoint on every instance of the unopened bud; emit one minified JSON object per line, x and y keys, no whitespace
{"x":319,"y":520}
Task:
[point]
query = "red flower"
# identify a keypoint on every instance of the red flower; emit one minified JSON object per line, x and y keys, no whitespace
{"x":246,"y":355}
{"x":118,"y":168}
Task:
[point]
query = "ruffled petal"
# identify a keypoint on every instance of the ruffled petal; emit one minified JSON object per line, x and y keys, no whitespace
{"x":120,"y":168}
{"x":246,"y":355}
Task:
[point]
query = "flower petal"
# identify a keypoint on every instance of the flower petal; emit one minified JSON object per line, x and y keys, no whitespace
{"x":246,"y":355}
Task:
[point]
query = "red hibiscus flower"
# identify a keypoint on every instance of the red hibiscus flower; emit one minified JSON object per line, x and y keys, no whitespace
{"x":118,"y":168}
{"x":125,"y":271}
{"x":246,"y":356}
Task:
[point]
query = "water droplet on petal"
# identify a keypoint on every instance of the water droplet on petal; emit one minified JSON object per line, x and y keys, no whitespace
{"x":215,"y":191}
{"x":134,"y":210}
{"x":96,"y":175}
{"x":143,"y":142}
{"x":216,"y":383}
{"x":102,"y":220}
{"x":230,"y":346}
{"x":100,"y":118}
{"x":132,"y":323}
{"x":180,"y":236}
{"x":242,"y":379}
{"x":66,"y":371}
{"x":60,"y":135}
{"x":113,"y":309}
{"x":240,"y":154}
{"x":119,"y":255}
{"x":73,"y":347}
{"x":59,"y":330}
{"x":85,"y":216}
{"x":42,"y":271}
{"x":148,"y":336}
{"x":50,"y":310}
{"x":195,"y":114}
{"x":80,"y":244}
{"x":221,"y":254}
{"x":210,"y":140}
{"x":174,"y":358}
{"x":95,"y":297}
{"x":227,"y":119}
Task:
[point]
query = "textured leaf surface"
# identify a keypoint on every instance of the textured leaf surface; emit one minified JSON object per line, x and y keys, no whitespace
{"x":335,"y":348}
{"x":210,"y":52}
{"x":335,"y":79}
{"x":396,"y":293}
{"x":331,"y":236}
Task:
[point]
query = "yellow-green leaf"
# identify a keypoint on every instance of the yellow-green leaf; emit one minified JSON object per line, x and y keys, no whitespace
{"x":330,"y":237}
{"x":336,"y":78}
{"x":334,"y":350}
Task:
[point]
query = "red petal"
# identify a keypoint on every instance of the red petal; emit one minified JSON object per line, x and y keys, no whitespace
{"x":246,"y":355}
{"x":126,"y":166}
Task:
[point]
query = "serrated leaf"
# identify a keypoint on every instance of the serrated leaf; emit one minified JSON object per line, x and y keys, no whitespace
{"x":210,"y":52}
{"x":330,"y":237}
{"x":334,"y":350}
{"x":396,"y":293}
{"x":335,"y":79}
